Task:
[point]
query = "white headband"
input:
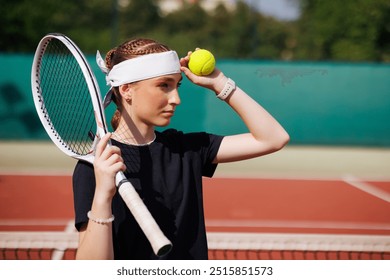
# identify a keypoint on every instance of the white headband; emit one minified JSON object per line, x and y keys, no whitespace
{"x":140,"y":68}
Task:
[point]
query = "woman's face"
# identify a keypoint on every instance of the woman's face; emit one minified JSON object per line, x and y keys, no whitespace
{"x":153,"y":101}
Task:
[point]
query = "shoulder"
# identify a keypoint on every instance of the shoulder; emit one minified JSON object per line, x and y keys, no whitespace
{"x":83,"y":167}
{"x":83,"y":173}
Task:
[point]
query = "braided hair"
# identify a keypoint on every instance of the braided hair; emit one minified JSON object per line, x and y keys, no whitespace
{"x":128,"y":50}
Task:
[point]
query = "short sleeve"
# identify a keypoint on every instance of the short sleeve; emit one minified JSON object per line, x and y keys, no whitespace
{"x":209,"y":153}
{"x":208,"y":145}
{"x":83,"y":191}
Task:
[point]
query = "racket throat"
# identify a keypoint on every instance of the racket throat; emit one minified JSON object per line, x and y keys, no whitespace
{"x":91,"y":135}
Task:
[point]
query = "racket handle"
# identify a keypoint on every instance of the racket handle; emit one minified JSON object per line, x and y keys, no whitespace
{"x":160,"y":243}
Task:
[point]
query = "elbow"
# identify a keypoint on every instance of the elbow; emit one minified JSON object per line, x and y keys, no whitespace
{"x":281,"y":141}
{"x":285,"y":140}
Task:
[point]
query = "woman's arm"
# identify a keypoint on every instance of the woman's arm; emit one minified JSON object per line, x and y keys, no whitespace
{"x":95,"y":239}
{"x":265,"y":135}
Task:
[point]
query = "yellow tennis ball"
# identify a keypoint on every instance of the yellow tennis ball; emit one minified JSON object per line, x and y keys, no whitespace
{"x":202,"y":62}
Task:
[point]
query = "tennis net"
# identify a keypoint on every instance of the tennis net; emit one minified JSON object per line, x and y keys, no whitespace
{"x":240,"y":246}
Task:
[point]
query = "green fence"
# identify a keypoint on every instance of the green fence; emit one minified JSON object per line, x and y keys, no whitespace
{"x":318,"y":103}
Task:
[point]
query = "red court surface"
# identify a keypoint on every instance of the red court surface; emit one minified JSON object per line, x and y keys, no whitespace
{"x":347,"y":206}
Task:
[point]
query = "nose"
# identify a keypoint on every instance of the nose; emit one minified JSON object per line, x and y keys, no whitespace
{"x":174,"y":98}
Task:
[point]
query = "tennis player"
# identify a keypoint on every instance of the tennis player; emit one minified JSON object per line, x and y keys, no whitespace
{"x":166,"y":168}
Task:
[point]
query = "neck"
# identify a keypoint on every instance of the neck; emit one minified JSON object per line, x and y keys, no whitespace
{"x":128,"y":133}
{"x":132,"y":140}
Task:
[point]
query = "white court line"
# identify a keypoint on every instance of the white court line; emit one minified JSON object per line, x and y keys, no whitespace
{"x":296,"y":224}
{"x":58,"y":253}
{"x":366,"y":187}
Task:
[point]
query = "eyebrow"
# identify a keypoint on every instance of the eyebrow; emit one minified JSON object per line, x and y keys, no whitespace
{"x":168,"y":79}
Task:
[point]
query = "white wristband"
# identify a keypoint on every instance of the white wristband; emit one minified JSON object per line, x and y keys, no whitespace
{"x":100,"y":221}
{"x":229,"y":87}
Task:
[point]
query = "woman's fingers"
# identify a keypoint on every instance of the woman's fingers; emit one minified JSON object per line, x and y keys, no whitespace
{"x":102,"y":144}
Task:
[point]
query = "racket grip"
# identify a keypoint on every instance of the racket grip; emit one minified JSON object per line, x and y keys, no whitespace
{"x":159,"y":242}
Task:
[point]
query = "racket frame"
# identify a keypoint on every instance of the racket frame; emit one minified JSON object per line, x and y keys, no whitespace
{"x":101,"y":127}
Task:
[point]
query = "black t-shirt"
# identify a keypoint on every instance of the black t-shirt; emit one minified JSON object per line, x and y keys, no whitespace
{"x":167,"y":174}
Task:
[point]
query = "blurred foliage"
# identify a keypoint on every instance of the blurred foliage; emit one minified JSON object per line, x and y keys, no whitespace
{"x":351,"y":30}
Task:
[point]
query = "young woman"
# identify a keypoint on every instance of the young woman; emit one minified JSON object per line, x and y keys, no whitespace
{"x":166,"y":168}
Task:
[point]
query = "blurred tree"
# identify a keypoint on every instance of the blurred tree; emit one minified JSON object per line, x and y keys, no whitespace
{"x":22,"y":23}
{"x":137,"y":17}
{"x":243,"y":31}
{"x":354,"y":30}
{"x":218,"y":28}
{"x":274,"y":41}
{"x":185,"y":29}
{"x":25,"y":22}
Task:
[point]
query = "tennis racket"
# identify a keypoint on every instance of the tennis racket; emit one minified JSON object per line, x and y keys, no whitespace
{"x":68,"y":101}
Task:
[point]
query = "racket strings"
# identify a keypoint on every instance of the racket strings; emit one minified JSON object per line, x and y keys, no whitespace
{"x":122,"y":134}
{"x":66,"y":104}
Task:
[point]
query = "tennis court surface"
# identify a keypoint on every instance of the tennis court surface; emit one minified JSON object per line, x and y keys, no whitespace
{"x":273,"y":208}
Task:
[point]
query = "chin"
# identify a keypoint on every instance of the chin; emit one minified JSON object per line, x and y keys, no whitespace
{"x":163,"y":123}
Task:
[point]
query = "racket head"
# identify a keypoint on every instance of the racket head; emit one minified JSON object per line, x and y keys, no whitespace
{"x":67,"y":97}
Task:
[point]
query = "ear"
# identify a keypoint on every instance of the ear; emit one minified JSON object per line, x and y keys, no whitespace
{"x":126,"y":91}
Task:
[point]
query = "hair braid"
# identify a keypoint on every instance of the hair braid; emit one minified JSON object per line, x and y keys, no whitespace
{"x":109,"y":56}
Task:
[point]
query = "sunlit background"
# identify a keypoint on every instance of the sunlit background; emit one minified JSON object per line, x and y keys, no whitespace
{"x":322,"y":68}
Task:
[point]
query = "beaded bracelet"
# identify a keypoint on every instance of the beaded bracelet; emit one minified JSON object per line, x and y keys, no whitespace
{"x":100,"y":221}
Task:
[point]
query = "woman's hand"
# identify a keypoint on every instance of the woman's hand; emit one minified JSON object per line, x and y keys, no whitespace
{"x":107,"y":163}
{"x":215,"y":81}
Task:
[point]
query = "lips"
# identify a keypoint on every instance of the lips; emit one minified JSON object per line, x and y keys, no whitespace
{"x":169,"y":113}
